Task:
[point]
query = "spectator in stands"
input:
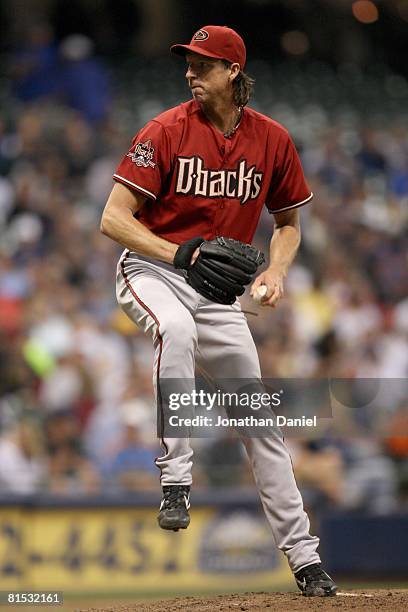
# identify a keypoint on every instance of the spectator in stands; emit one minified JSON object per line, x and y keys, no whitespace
{"x":23,"y":466}
{"x":34,"y":67}
{"x":70,"y":471}
{"x":130,"y":464}
{"x":84,"y":79}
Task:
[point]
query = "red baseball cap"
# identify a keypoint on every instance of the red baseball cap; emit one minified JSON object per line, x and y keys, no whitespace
{"x":219,"y":42}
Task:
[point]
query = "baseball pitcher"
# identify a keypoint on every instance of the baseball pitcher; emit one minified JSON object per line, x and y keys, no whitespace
{"x":185,"y":206}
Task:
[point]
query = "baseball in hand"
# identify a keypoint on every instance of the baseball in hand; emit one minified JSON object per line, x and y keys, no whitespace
{"x":260,"y":293}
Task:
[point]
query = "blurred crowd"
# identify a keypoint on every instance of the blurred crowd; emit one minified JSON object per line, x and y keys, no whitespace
{"x":77,"y":413}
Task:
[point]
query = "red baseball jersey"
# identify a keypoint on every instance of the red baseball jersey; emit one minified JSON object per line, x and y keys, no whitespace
{"x":198,"y":182}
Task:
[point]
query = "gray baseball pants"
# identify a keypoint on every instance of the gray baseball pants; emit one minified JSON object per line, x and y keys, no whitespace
{"x":187,"y":329}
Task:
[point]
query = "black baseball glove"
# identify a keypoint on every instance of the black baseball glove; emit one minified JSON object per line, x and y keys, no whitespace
{"x":222,"y":269}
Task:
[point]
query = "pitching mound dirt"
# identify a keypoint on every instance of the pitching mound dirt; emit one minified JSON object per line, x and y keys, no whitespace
{"x":393,"y":600}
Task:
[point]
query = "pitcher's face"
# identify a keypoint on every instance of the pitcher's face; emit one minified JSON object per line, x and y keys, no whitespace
{"x":207,"y":78}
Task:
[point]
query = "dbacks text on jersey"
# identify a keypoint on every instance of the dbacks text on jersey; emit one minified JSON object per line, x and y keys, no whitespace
{"x":193,"y":178}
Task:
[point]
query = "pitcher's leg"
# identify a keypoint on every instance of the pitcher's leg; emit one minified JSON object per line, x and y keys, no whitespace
{"x":153,"y":306}
{"x":225,"y":345}
{"x":281,"y":500}
{"x":228,"y":351}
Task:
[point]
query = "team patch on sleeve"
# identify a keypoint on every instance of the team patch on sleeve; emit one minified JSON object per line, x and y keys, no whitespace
{"x":143,"y":154}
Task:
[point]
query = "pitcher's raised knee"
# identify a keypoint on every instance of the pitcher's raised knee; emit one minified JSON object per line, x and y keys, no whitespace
{"x":179,"y":335}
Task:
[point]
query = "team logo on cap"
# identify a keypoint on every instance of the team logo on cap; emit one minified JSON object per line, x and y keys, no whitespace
{"x":201,"y":35}
{"x":143,"y":154}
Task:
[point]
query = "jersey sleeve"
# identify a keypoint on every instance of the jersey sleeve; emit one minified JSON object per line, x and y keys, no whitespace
{"x":145,"y":167}
{"x":288,"y":188}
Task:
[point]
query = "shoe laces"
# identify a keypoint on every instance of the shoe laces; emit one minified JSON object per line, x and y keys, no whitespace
{"x":174,"y":496}
{"x":312,"y":572}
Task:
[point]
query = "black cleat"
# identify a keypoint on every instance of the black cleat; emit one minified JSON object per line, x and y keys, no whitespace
{"x":314,"y":582}
{"x":174,"y":507}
